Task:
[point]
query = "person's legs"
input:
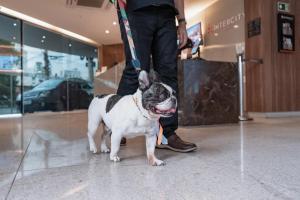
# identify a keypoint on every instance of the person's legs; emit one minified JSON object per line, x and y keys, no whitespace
{"x":141,"y":25}
{"x":164,"y":51}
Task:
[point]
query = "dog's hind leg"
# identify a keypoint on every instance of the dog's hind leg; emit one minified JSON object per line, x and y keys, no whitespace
{"x":93,"y":123}
{"x":104,"y":137}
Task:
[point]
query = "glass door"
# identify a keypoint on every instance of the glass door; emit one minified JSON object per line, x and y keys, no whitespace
{"x":10,"y":66}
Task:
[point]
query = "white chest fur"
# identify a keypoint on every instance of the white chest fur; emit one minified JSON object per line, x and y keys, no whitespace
{"x":142,"y":126}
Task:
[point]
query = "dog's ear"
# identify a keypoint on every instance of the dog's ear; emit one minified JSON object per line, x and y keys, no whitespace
{"x":144,"y":81}
{"x":153,"y":76}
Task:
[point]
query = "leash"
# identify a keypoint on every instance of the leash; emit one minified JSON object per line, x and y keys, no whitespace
{"x":135,"y":61}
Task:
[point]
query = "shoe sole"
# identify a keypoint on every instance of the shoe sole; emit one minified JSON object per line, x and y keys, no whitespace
{"x":177,"y":150}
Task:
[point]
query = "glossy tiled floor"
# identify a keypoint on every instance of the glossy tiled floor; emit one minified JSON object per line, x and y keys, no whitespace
{"x":46,"y":157}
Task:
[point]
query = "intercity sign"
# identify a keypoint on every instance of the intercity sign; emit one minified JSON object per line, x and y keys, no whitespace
{"x":224,"y":24}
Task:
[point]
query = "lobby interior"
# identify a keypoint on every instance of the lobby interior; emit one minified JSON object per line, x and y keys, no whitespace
{"x":244,"y":152}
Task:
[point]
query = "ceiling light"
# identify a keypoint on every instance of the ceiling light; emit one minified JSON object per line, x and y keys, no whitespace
{"x":236,"y":26}
{"x":107,"y":31}
{"x":14,"y":38}
{"x":44,"y":37}
{"x":114,"y":23}
{"x":70,"y":45}
{"x":42,"y":41}
{"x":15,"y":24}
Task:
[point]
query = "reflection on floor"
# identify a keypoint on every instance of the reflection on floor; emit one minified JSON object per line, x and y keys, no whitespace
{"x":45,"y":156}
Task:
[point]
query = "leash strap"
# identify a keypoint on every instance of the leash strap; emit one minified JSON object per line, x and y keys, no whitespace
{"x":135,"y":61}
{"x":160,"y":135}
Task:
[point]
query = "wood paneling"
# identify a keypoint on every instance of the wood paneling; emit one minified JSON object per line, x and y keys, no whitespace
{"x":297,"y":71}
{"x":255,"y":48}
{"x":274,"y":85}
{"x":111,"y":54}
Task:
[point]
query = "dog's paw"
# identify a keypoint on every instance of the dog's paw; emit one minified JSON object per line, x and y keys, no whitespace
{"x":115,"y":158}
{"x":92,"y":144}
{"x":105,"y":150}
{"x":93,"y":149}
{"x":158,"y":163}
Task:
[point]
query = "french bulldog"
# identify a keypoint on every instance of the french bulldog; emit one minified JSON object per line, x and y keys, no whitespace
{"x":131,"y":115}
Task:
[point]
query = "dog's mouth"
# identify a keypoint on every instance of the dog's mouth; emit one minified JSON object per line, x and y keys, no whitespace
{"x":167,"y":112}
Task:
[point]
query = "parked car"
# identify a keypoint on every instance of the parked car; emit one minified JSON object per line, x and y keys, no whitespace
{"x":58,"y":95}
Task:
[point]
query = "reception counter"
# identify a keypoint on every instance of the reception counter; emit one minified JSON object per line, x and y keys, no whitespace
{"x":208,"y":92}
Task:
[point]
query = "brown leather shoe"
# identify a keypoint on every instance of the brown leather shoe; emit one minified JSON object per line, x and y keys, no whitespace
{"x":175,"y":143}
{"x":123,"y":141}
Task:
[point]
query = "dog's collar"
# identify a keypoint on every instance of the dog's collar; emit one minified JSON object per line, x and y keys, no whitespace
{"x":137,"y":105}
{"x":160,"y":133}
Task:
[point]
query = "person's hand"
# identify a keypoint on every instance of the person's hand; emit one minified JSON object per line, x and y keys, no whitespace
{"x":182,"y":35}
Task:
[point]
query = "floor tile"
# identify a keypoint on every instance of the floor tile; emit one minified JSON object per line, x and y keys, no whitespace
{"x":252,"y":160}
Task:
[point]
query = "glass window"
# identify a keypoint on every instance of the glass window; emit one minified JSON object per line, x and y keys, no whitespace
{"x":58,"y":71}
{"x":10,"y":65}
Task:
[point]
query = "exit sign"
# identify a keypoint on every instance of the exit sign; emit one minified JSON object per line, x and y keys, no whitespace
{"x":283,"y":7}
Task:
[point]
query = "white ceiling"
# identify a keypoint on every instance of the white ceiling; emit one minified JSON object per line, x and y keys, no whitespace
{"x":88,"y":22}
{"x":192,"y":7}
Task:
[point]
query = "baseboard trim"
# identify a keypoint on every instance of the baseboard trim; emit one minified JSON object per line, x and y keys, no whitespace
{"x":275,"y":114}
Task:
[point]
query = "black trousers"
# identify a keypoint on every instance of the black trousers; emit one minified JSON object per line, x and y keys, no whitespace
{"x":154,"y":33}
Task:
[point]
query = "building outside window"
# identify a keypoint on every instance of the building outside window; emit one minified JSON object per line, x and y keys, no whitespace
{"x":57,"y":71}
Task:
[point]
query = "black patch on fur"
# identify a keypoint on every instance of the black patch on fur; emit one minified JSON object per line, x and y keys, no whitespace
{"x":100,"y":96}
{"x":111,"y":102}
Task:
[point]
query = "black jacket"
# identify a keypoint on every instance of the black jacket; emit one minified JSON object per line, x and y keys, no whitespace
{"x":137,"y":4}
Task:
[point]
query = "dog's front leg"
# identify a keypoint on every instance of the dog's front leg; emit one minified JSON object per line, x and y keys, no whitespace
{"x":116,"y":137}
{"x":150,"y":146}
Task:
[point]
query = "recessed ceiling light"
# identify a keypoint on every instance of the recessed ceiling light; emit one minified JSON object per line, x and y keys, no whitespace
{"x":236,"y":26}
{"x":14,"y":38}
{"x":114,"y":23}
{"x":42,"y":41}
{"x":44,"y":37}
{"x":107,"y":31}
{"x":15,"y":24}
{"x":70,"y":45}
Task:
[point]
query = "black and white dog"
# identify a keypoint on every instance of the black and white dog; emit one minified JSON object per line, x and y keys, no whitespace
{"x":132,"y":115}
